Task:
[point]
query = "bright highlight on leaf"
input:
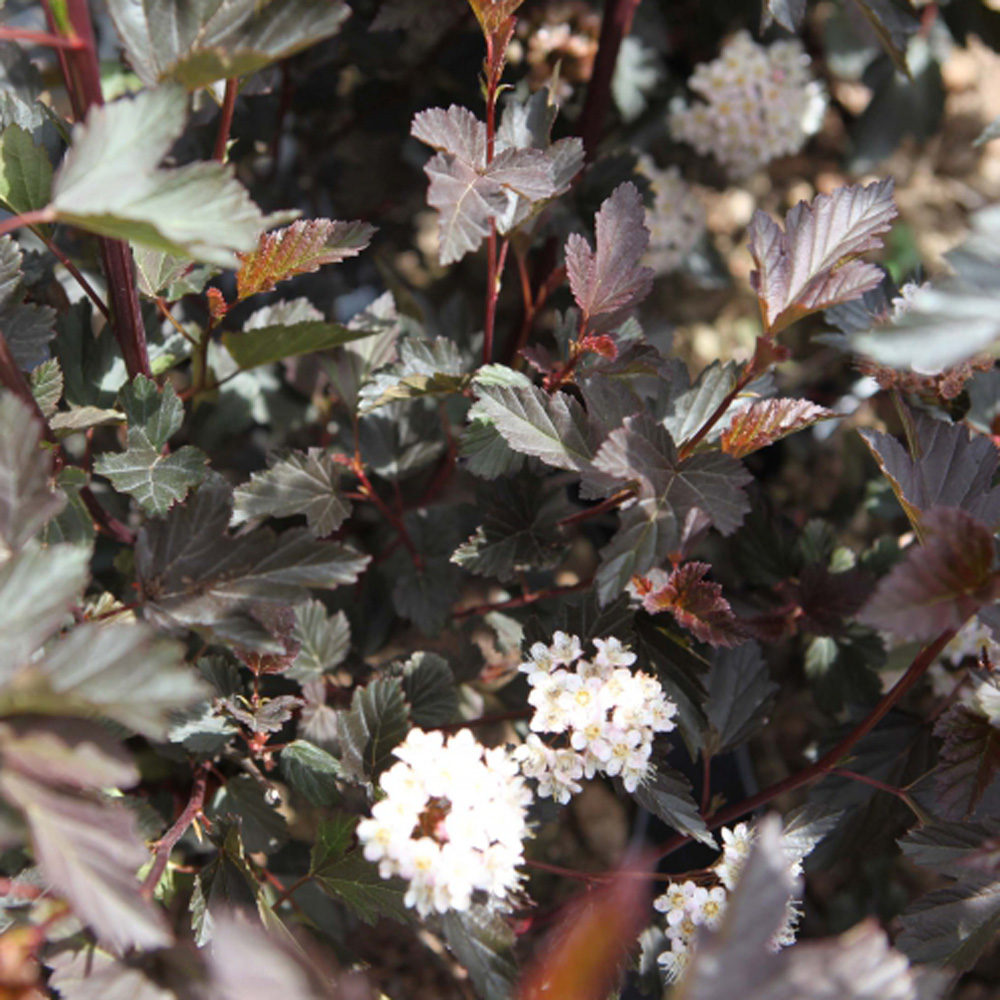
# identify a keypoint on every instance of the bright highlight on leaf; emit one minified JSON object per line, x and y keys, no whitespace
{"x":110,"y":183}
{"x":765,"y":422}
{"x":810,"y":264}
{"x":301,"y":248}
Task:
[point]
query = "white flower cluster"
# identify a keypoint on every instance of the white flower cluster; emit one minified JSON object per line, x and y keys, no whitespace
{"x":452,"y":821}
{"x":760,"y":103}
{"x":676,"y":220}
{"x":609,"y":713}
{"x":688,"y":906}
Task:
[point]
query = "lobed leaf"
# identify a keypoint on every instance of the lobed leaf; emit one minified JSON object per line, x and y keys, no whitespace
{"x":953,"y":468}
{"x":198,"y":44}
{"x":429,"y":689}
{"x":347,"y":876}
{"x":425,"y":368}
{"x":696,"y":603}
{"x":110,"y":184}
{"x":970,"y":761}
{"x":324,"y":641}
{"x":763,"y":423}
{"x":941,"y":583}
{"x":298,"y":483}
{"x":158,"y":413}
{"x":810,"y":264}
{"x":740,"y":695}
{"x":376,"y":723}
{"x":301,"y":248}
{"x":609,"y":281}
{"x":27,"y":501}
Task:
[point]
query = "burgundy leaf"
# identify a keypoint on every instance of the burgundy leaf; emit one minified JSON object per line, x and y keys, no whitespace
{"x":697,"y":604}
{"x":810,"y":265}
{"x":955,"y":468}
{"x":763,"y":423}
{"x":941,"y":583}
{"x":467,"y":191}
{"x":609,"y":282}
{"x":301,"y":248}
{"x":970,"y":760}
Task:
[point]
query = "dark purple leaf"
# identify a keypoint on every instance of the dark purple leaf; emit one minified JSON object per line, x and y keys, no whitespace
{"x":740,"y":694}
{"x":810,"y":265}
{"x":970,"y":760}
{"x":955,"y":468}
{"x":609,"y":282}
{"x":941,"y":583}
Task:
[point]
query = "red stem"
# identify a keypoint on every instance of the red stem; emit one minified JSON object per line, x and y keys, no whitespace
{"x":523,"y":600}
{"x":31,"y":219}
{"x":611,"y":503}
{"x":829,"y":761}
{"x":226,"y":119}
{"x":615,"y":27}
{"x":39,"y":38}
{"x":492,"y":265}
{"x":75,"y":272}
{"x":196,"y":803}
{"x":742,"y":382}
{"x":13,"y":379}
{"x":83,"y":81}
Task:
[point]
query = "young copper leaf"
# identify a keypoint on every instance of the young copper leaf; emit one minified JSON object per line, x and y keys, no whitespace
{"x":468,"y":192}
{"x":810,"y":264}
{"x":970,"y":760}
{"x":763,"y":423}
{"x":954,"y":468}
{"x":696,"y":603}
{"x":492,"y":13}
{"x":110,"y":183}
{"x":301,"y":248}
{"x":941,"y":583}
{"x":199,"y":44}
{"x":298,"y":483}
{"x":609,"y":281}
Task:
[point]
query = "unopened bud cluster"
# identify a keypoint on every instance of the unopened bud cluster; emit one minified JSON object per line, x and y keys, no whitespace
{"x":760,"y":103}
{"x":452,"y":822}
{"x":606,"y":712}
{"x":676,"y":219}
{"x":688,"y":905}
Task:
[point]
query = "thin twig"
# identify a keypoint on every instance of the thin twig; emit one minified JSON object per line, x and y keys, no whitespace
{"x":87,"y":287}
{"x":168,"y":842}
{"x":522,"y":601}
{"x":39,"y":38}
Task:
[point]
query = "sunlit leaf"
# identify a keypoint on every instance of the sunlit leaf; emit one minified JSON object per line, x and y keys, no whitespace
{"x":301,"y":248}
{"x":810,"y":264}
{"x":375,"y":724}
{"x":609,"y":282}
{"x":429,"y":689}
{"x":25,"y":171}
{"x":312,"y":772}
{"x":763,"y":423}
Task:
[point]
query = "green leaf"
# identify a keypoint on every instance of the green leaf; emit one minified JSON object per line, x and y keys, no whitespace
{"x":155,"y":481}
{"x":47,"y":386}
{"x":264,"y":345}
{"x":113,"y":671}
{"x":297,"y":483}
{"x":429,"y":688}
{"x":27,"y":501}
{"x":483,"y":942}
{"x":374,"y":726}
{"x":110,"y":184}
{"x":28,"y":330}
{"x":161,"y":273}
{"x":667,"y":795}
{"x":347,"y":876}
{"x":312,"y":772}
{"x":553,"y":428}
{"x":89,"y":853}
{"x":199,"y":43}
{"x":425,"y":368}
{"x":263,"y":827}
{"x":25,"y":172}
{"x":38,"y":587}
{"x":225,"y":884}
{"x":324,"y":641}
{"x":159,"y":414}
